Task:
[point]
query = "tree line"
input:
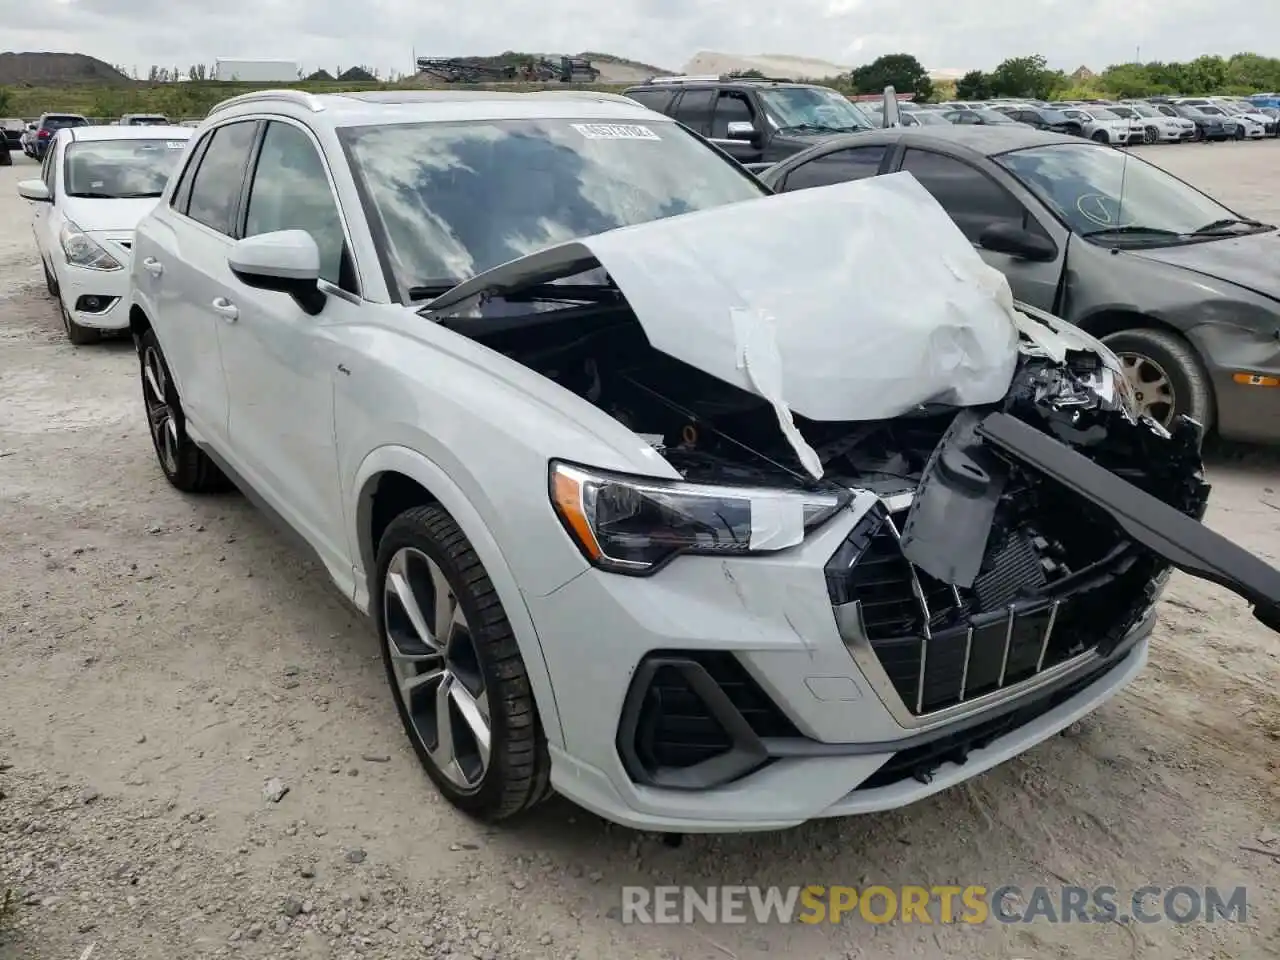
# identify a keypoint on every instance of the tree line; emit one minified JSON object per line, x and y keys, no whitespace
{"x":1029,"y":76}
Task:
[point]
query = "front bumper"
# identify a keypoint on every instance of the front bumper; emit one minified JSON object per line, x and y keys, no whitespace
{"x":813,"y":733}
{"x":97,"y":298}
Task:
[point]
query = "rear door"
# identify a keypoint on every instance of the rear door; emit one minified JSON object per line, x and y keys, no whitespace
{"x":694,"y":108}
{"x":975,"y":200}
{"x":183,"y":267}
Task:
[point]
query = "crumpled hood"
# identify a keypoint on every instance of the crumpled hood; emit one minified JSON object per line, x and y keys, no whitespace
{"x":1248,"y":261}
{"x":859,"y":301}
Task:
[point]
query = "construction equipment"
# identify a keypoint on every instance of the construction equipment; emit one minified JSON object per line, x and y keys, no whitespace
{"x":466,"y":69}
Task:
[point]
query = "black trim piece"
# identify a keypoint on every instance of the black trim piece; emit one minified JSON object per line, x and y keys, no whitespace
{"x":1182,"y":541}
{"x":246,"y":181}
{"x":745,"y":750}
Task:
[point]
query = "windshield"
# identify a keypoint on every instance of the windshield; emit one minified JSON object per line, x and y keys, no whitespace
{"x":455,"y":199}
{"x":119,"y":169}
{"x":994,"y":116}
{"x":1101,"y":113}
{"x":812,"y":107}
{"x":1144,"y":111}
{"x":1099,"y":189}
{"x":1211,"y":111}
{"x":148,"y":121}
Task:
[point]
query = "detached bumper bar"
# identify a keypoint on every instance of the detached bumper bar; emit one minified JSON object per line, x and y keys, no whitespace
{"x":1182,"y":541}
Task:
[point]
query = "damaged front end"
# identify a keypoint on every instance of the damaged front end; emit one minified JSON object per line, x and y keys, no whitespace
{"x":1016,"y":519}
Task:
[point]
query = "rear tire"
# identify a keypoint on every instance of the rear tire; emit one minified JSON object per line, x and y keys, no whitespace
{"x":185,"y":465}
{"x":1166,"y":374}
{"x":455,"y":656}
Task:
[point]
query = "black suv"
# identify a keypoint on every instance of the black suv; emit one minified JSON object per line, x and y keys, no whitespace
{"x":755,"y":121}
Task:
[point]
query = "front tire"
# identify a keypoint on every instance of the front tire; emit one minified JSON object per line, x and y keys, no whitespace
{"x":1100,"y":136}
{"x":459,"y":682}
{"x":185,"y":465}
{"x":1150,"y":135}
{"x":1167,"y":377}
{"x":79,"y":335}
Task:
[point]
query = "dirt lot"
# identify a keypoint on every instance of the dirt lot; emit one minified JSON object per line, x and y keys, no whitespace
{"x":162,"y":657}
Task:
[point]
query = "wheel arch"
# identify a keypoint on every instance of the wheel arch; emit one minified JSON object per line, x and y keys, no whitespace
{"x":393,"y":479}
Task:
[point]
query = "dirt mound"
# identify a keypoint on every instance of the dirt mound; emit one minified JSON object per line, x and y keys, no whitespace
{"x":45,"y":69}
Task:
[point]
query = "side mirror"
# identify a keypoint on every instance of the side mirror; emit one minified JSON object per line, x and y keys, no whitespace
{"x":741,"y":130}
{"x":285,"y":261}
{"x":1017,"y":242}
{"x":35,"y":190}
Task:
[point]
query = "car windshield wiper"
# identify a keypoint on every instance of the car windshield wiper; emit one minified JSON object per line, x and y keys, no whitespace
{"x":428,"y":291}
{"x":1220,"y":226}
{"x":90,"y":195}
{"x":815,"y":128}
{"x":1131,"y":230}
{"x":535,"y":292}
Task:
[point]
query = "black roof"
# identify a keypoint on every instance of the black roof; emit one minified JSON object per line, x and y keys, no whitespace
{"x":987,"y":140}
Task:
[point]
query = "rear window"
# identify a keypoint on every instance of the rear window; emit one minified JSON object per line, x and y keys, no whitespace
{"x":57,"y":123}
{"x":657,"y":100}
{"x":120,"y":169}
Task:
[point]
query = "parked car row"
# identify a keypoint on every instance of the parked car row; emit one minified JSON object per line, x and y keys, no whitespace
{"x":1153,"y":120}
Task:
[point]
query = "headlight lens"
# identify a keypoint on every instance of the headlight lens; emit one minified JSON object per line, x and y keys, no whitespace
{"x":634,"y":525}
{"x":83,"y":251}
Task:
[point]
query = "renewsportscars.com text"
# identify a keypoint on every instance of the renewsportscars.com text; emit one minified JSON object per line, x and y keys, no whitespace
{"x":973,"y":904}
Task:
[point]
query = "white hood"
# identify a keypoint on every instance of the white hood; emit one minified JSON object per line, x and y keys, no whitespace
{"x":858,"y":301}
{"x":95,"y":215}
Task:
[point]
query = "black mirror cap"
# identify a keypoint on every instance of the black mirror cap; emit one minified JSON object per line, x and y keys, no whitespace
{"x":1017,"y":242}
{"x":307,"y":293}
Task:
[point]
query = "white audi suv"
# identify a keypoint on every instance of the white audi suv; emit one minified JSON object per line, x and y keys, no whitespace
{"x":710,"y":509}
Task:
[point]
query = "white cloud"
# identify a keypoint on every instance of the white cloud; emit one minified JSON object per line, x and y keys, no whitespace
{"x":384,"y":33}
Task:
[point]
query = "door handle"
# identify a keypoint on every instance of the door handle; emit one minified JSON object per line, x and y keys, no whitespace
{"x":226,"y":309}
{"x":153,"y":266}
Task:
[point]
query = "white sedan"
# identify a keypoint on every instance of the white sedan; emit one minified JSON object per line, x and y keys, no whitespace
{"x":94,"y":187}
{"x":1156,"y":127}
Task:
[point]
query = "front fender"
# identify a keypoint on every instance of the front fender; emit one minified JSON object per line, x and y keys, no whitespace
{"x":402,"y":460}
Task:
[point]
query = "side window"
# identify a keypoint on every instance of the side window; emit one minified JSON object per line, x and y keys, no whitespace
{"x":215,"y":192}
{"x":182,"y":192}
{"x":731,"y":107}
{"x":972,"y":199}
{"x":653,"y":99}
{"x":694,"y":108}
{"x":855,"y":163}
{"x":291,"y":191}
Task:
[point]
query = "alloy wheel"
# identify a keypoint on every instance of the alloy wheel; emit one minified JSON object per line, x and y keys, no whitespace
{"x":164,"y":429}
{"x":1152,"y":387}
{"x":1150,"y":135}
{"x":436,"y":667}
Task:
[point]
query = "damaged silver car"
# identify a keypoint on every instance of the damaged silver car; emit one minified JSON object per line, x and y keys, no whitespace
{"x":711,"y":510}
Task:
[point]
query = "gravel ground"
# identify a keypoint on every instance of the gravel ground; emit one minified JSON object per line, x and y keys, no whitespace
{"x":166,"y":658}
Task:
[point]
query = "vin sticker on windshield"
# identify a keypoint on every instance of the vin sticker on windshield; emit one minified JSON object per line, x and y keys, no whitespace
{"x":175,"y":144}
{"x":615,"y":131}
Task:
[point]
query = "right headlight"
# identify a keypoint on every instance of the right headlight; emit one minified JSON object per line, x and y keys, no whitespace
{"x":634,"y":525}
{"x":83,"y":251}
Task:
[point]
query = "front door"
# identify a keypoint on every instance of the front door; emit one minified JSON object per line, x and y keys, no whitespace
{"x":975,"y":201}
{"x":280,"y":361}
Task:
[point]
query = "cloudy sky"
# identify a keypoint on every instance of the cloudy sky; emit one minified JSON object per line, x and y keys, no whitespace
{"x":384,"y":33}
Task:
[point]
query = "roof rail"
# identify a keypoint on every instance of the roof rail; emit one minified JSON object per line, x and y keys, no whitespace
{"x":299,"y":97}
{"x":708,"y":78}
